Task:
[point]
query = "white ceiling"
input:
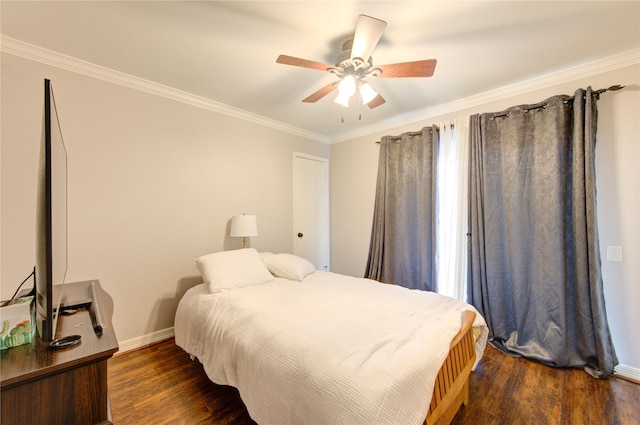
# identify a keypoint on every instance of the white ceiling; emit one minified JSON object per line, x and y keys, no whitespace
{"x":225,"y":51}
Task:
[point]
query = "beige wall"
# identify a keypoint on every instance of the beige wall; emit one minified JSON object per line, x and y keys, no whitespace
{"x":354,"y":169}
{"x":152,"y":185}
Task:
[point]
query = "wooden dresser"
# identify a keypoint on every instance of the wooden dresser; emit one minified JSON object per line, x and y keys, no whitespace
{"x":65,"y":386}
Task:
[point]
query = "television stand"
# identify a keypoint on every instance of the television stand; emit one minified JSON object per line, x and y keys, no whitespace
{"x":40,"y":385}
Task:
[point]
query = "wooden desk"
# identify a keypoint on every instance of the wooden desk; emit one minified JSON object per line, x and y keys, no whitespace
{"x":66,"y":386}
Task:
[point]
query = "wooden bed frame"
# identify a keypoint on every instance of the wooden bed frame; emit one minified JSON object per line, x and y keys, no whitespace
{"x":451,"y":388}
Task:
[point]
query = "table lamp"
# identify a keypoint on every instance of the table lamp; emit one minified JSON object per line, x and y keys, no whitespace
{"x":243,"y":226}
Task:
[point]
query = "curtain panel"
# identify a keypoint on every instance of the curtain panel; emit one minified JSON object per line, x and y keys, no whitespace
{"x":402,"y":245}
{"x":452,"y":208}
{"x":534,"y":260}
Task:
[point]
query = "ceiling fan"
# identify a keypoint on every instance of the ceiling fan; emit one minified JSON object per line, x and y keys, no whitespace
{"x":354,"y":66}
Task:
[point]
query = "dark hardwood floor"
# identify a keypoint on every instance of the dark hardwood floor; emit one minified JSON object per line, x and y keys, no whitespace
{"x":161,"y":385}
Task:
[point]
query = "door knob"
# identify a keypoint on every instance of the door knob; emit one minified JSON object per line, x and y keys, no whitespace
{"x":300,"y":235}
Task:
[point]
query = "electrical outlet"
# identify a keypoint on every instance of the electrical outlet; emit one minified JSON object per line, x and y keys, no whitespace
{"x":614,"y":253}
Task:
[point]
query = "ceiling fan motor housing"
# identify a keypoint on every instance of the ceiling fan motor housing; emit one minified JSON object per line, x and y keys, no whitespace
{"x":357,"y":67}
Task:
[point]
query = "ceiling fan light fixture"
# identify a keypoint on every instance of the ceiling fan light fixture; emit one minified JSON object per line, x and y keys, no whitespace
{"x":354,"y":65}
{"x":347,"y":86}
{"x":346,"y":89}
{"x":342,"y":100}
{"x":367,"y":93}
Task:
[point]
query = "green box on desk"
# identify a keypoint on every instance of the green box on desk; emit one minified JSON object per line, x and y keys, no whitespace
{"x":15,"y":321}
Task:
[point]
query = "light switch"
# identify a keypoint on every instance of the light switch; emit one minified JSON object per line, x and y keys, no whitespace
{"x":614,"y":253}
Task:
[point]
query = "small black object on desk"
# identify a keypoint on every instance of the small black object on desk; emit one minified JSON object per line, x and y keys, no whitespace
{"x":66,"y":341}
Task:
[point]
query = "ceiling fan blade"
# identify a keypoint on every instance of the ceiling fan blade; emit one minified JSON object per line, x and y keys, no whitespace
{"x":368,"y":33}
{"x":314,"y":97}
{"x":377,"y":101}
{"x":290,"y":60}
{"x":423,"y":68}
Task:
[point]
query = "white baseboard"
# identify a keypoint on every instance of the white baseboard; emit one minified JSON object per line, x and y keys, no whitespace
{"x":627,"y":372}
{"x":144,"y":340}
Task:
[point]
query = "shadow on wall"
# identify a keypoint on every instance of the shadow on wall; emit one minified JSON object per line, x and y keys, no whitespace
{"x":164,"y":310}
{"x":163,"y":313}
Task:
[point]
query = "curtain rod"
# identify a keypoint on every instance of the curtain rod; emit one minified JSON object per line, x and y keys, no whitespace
{"x":612,"y":88}
{"x":615,"y":87}
{"x":568,"y":99}
{"x":408,"y":133}
{"x":412,"y":134}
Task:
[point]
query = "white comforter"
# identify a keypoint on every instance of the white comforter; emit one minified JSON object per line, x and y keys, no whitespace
{"x":331,"y":349}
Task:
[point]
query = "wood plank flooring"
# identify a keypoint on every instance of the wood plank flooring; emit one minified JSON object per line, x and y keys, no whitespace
{"x":161,"y":385}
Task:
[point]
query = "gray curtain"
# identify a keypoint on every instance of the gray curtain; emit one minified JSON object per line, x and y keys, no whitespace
{"x":402,"y":248}
{"x":534,"y":270}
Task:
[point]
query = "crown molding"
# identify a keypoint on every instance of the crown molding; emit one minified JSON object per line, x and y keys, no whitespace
{"x":29,"y":51}
{"x":611,"y":63}
{"x":38,"y":54}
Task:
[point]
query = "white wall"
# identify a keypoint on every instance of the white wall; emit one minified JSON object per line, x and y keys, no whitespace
{"x":354,"y":170}
{"x":152,"y":185}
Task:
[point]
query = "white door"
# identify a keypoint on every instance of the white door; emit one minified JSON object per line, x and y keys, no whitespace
{"x":311,"y":209}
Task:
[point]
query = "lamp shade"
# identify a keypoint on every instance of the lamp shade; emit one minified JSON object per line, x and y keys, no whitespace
{"x":367,"y":93}
{"x":244,"y":225}
{"x":347,"y":86}
{"x":342,"y":100}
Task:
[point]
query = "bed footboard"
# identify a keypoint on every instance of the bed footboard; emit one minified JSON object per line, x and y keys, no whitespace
{"x":451,"y":388}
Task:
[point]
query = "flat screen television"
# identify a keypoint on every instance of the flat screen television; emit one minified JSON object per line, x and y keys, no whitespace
{"x":51,"y":220}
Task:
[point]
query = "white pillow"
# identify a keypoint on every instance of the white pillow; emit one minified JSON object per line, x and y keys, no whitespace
{"x":288,"y":266}
{"x":264,"y":254}
{"x":231,"y":269}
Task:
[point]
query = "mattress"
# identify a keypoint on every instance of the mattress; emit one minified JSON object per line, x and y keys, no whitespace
{"x":331,"y":349}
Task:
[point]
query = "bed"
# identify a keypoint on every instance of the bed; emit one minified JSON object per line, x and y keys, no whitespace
{"x":310,"y":347}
